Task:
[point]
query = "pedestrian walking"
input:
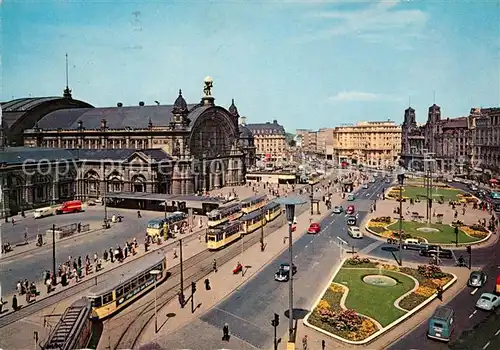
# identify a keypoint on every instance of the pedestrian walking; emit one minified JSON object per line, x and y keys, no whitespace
{"x":225,"y":332}
{"x":304,"y":342}
{"x":214,"y":265}
{"x":15,"y":306}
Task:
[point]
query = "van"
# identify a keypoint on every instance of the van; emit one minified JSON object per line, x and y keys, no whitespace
{"x":43,"y":212}
{"x":441,"y":324}
{"x":70,"y":207}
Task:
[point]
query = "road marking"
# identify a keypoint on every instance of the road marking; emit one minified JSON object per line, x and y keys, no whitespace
{"x":472,"y":314}
{"x":371,"y":246}
{"x":497,"y":332}
{"x":486,"y":345}
{"x":307,"y":245}
{"x":474,"y":291}
{"x":295,"y":256}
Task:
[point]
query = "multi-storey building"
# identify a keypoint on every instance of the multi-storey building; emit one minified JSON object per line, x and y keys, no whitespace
{"x":370,"y":143}
{"x":324,"y":143}
{"x":485,"y":140}
{"x":446,"y":141}
{"x":270,"y":140}
{"x":308,"y":140}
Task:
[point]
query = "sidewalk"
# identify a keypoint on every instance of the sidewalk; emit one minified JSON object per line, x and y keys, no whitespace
{"x":189,"y":239}
{"x":382,"y":342}
{"x":223,"y":282}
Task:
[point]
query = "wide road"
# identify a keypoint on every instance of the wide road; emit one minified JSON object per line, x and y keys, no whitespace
{"x":249,"y":309}
{"x":466,"y":315}
{"x":31,"y":265}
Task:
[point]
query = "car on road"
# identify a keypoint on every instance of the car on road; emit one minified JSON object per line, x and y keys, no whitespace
{"x":351,"y":198}
{"x":365,"y":185}
{"x":338,"y":209}
{"x":435,"y":250}
{"x":70,"y":207}
{"x":388,"y":180}
{"x":372,"y":180}
{"x":351,"y":220}
{"x":350,"y":210}
{"x":355,"y":232}
{"x":314,"y":228}
{"x":488,"y":302}
{"x":283,"y":273}
{"x":477,"y":279}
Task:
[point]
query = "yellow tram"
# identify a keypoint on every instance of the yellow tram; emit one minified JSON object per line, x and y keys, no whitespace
{"x":123,"y":289}
{"x":224,"y":214}
{"x":157,"y":227}
{"x":251,"y":204}
{"x":272,"y":211}
{"x":223,"y":235}
{"x":253,"y":221}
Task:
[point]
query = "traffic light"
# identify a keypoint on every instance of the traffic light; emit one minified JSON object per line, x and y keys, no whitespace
{"x":193,"y":287}
{"x":276,"y":320}
{"x":469,"y":249}
{"x":456,"y":230}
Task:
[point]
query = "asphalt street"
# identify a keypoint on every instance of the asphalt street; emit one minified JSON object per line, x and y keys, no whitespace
{"x":249,"y":310}
{"x":31,"y":265}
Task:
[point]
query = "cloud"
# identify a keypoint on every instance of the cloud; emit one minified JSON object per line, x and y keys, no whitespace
{"x":358,"y":96}
{"x":380,"y":22}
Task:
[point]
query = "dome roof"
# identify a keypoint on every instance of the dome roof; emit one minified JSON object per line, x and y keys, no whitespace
{"x":232,"y":109}
{"x":180,"y":104}
{"x":245,"y":132}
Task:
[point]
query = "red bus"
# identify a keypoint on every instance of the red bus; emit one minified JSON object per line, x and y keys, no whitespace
{"x":70,"y":207}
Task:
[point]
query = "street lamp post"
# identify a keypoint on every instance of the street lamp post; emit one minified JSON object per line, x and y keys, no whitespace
{"x":54,"y":278}
{"x":155,"y":273}
{"x":104,"y":199}
{"x":401,"y":177}
{"x":262,"y":229}
{"x":290,"y":204}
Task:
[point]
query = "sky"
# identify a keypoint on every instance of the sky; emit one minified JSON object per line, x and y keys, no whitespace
{"x":307,"y":64}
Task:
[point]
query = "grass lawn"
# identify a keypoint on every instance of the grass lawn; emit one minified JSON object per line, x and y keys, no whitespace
{"x":447,"y":194}
{"x":374,"y":301}
{"x":446,"y":234}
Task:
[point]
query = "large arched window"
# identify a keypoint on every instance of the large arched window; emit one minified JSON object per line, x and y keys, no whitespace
{"x":138,"y":183}
{"x":212,"y":136}
{"x":41,"y":187}
{"x":115,"y":182}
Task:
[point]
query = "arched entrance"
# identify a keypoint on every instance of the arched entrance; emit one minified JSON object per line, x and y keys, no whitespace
{"x":92,"y":184}
{"x":15,"y":189}
{"x":138,"y":183}
{"x":41,"y":188}
{"x":115,"y":182}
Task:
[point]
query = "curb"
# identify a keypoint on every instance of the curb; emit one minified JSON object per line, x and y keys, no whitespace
{"x":380,"y":331}
{"x":450,"y":246}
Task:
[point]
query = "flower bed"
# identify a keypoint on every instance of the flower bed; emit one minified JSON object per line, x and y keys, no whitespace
{"x":356,"y":261}
{"x":475,"y":231}
{"x":430,"y":277}
{"x":347,"y":324}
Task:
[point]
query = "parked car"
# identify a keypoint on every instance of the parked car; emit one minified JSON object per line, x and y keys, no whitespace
{"x":283,"y":273}
{"x":488,"y":302}
{"x":351,"y":197}
{"x":338,"y":209}
{"x":355,"y":232}
{"x":365,"y":185}
{"x":477,"y":279}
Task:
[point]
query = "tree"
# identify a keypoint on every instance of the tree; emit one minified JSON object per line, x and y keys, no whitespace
{"x":292,"y":143}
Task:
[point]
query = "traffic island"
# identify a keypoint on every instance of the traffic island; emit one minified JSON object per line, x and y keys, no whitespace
{"x":388,"y":228}
{"x":442,"y":193}
{"x":366,"y":298}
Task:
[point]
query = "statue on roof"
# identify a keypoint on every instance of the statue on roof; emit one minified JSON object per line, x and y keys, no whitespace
{"x":209,"y":83}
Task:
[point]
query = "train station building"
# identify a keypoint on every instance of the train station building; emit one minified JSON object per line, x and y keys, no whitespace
{"x":178,"y":149}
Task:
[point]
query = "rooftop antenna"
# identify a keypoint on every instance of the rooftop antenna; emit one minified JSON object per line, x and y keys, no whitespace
{"x":409,"y":101}
{"x":434,"y":96}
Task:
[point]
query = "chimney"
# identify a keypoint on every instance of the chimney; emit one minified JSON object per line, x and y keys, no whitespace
{"x":243,"y":120}
{"x":80,"y":125}
{"x":119,"y":104}
{"x":141,"y":103}
{"x":103,"y":123}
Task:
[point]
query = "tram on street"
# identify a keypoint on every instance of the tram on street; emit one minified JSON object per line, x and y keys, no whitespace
{"x":272,"y":211}
{"x":116,"y":293}
{"x":251,"y":204}
{"x":224,"y":214}
{"x":157,"y":227}
{"x":253,"y":221}
{"x":223,"y":235}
